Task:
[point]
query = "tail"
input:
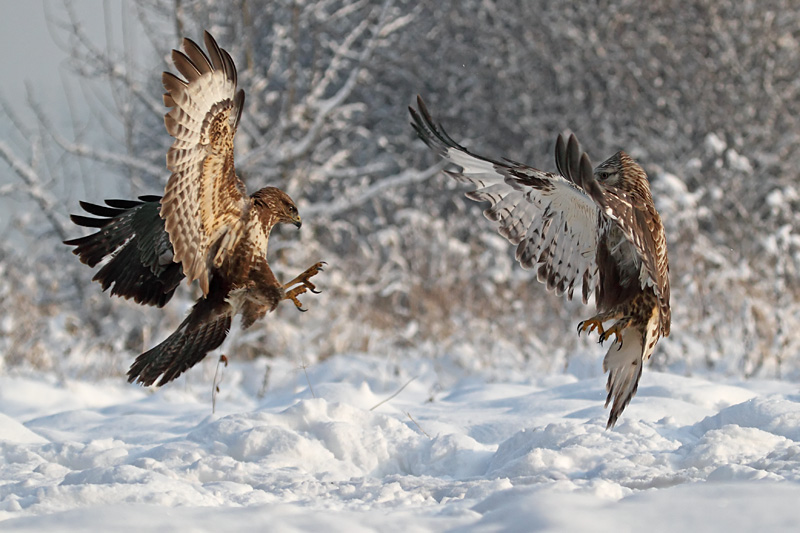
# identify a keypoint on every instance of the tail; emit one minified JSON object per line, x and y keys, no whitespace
{"x":202,"y":331}
{"x":624,"y":366}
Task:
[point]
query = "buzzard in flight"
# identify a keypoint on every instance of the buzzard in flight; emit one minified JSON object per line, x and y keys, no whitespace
{"x":596,"y":229}
{"x":205,"y":228}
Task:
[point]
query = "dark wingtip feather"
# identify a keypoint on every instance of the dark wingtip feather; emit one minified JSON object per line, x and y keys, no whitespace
{"x":122,"y":205}
{"x":561,"y":155}
{"x":238,"y":103}
{"x":149,"y":198}
{"x":431,"y":133}
{"x":88,"y":222}
{"x":101,"y":210}
{"x":185,"y":65}
{"x":198,"y":58}
{"x":214,"y":51}
{"x":133,"y":242}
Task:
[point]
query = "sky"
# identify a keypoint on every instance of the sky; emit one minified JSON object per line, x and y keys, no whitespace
{"x":34,"y":59}
{"x":29,"y":30}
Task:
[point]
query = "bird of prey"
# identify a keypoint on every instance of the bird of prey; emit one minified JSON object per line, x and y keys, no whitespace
{"x":204,"y":228}
{"x":596,"y":229}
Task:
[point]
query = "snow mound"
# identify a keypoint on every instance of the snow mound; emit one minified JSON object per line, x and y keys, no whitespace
{"x":379,"y":445}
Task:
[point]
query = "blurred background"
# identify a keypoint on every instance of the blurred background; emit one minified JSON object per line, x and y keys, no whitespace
{"x":705,"y":94}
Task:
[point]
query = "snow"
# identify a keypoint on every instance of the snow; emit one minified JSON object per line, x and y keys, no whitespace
{"x":396,"y":444}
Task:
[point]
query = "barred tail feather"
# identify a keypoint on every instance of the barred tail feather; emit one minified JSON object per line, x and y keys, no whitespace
{"x":202,"y":331}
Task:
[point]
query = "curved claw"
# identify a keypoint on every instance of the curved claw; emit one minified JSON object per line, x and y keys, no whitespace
{"x":606,"y":334}
{"x":590,"y":325}
{"x":315,"y":291}
{"x":302,"y":310}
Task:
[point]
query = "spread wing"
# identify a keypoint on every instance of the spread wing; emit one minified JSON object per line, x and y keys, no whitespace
{"x":204,"y":201}
{"x":552,"y":218}
{"x":133,"y":242}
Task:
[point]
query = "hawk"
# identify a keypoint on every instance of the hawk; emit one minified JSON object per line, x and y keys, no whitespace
{"x":205,"y":227}
{"x":593,"y":229}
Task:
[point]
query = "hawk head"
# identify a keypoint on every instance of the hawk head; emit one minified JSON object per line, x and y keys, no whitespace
{"x":278,"y":205}
{"x":619,"y":171}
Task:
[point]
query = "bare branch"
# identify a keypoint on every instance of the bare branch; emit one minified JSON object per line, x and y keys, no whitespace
{"x":404,"y":179}
{"x":103,"y":156}
{"x":325,"y":107}
{"x":94,"y":61}
{"x":398,"y":391}
{"x":42,"y":197}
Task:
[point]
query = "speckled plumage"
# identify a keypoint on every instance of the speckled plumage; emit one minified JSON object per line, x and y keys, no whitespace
{"x":206,"y":224}
{"x":592,"y":229}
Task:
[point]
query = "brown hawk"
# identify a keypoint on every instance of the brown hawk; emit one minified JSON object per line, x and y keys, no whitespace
{"x":596,"y":229}
{"x":205,"y":228}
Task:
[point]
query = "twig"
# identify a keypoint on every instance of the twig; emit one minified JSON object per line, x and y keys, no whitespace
{"x":405,"y":178}
{"x":418,"y":426}
{"x":35,"y":190}
{"x":215,"y":390}
{"x":112,"y":158}
{"x":265,"y":382}
{"x":324,"y":108}
{"x":393,"y":395}
{"x":308,"y":380}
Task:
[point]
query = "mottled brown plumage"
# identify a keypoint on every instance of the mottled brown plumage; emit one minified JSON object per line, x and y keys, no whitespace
{"x":596,"y":229}
{"x":205,"y":228}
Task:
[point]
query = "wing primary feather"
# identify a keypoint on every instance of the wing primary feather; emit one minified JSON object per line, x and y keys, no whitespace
{"x":573,"y":160}
{"x":432,"y":134}
{"x":214,"y":51}
{"x":185,"y":66}
{"x":128,"y":204}
{"x":230,"y":67}
{"x":103,"y":211}
{"x":173,"y":84}
{"x":238,"y":105}
{"x":148,"y":198}
{"x":561,"y":155}
{"x":88,"y":222}
{"x":589,"y":184}
{"x":198,"y":58}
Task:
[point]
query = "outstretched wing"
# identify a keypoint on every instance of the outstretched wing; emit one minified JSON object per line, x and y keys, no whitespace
{"x":133,"y":242}
{"x":204,"y":200}
{"x":552,"y":218}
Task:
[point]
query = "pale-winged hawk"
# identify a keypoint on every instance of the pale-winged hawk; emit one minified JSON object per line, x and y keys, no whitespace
{"x":592,"y":229}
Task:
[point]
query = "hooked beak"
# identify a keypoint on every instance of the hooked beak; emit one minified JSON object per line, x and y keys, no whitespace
{"x":297,"y":221}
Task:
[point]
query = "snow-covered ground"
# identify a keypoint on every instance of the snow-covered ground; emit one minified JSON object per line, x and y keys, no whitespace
{"x":444,"y":454}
